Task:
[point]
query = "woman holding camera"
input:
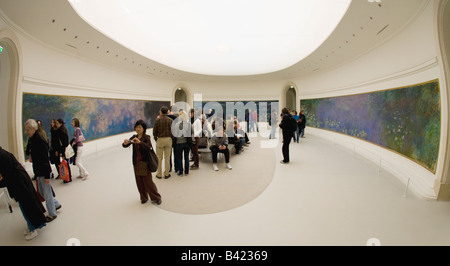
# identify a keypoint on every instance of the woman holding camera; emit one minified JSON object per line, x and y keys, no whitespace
{"x":141,"y":147}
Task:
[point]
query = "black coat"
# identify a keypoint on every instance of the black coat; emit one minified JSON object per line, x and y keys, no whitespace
{"x":60,"y":140}
{"x":38,"y":149}
{"x":287,"y":126}
{"x":20,"y":188}
{"x":303,"y":123}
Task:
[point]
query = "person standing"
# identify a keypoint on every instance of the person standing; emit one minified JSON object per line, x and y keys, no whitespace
{"x":38,"y":149}
{"x":273,"y":121}
{"x":183,"y":141}
{"x":297,"y":128}
{"x":60,"y":140}
{"x":302,"y":123}
{"x":14,"y":177}
{"x":162,"y":134}
{"x":78,"y":142}
{"x":255,"y":121}
{"x":54,"y":159}
{"x":141,"y":147}
{"x":197,"y":131}
{"x":288,"y":130}
{"x":173,"y":114}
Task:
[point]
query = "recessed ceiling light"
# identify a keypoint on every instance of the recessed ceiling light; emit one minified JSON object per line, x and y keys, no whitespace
{"x":217,"y":37}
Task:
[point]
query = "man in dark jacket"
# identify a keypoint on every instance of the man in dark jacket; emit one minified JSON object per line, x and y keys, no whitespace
{"x":302,"y":124}
{"x":14,"y":177}
{"x":288,"y":132}
{"x":38,"y":149}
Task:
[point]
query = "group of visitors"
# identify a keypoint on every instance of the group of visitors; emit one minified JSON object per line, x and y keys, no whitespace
{"x":42,"y":153}
{"x":179,"y":135}
{"x":176,"y":133}
{"x":299,"y":131}
{"x":58,"y":143}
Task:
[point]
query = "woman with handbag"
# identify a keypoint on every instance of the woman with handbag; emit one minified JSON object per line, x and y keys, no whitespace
{"x":142,"y":147}
{"x":60,"y":140}
{"x":78,"y":145}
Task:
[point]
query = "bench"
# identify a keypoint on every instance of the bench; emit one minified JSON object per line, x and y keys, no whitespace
{"x":202,"y":149}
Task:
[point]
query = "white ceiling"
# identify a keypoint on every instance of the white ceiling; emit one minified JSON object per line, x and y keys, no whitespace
{"x":54,"y":22}
{"x":216,"y":37}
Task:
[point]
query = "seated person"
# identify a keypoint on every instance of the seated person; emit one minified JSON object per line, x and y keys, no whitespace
{"x":238,"y":126}
{"x":219,"y":143}
{"x":238,"y":138}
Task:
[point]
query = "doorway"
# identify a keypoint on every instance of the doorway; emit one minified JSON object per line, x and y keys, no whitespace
{"x":291,"y":98}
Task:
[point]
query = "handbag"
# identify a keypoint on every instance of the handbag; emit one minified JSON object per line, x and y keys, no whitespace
{"x":81,"y":137}
{"x":64,"y":170}
{"x":153,"y":165}
{"x":69,"y":152}
{"x":141,"y":168}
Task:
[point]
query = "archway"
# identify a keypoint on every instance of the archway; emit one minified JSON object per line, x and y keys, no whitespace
{"x":291,"y":98}
{"x":10,"y":72}
{"x":181,"y":98}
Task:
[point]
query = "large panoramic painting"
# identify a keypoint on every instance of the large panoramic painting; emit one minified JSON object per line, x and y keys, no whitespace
{"x":406,"y":120}
{"x":98,"y":117}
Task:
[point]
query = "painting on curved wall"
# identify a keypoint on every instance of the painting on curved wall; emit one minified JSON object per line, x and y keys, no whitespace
{"x":99,"y":117}
{"x":405,"y":120}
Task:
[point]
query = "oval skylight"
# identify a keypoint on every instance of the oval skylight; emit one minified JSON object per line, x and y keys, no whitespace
{"x":217,"y":37}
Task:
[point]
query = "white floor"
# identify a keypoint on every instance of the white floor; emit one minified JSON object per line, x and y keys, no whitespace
{"x":325,"y":196}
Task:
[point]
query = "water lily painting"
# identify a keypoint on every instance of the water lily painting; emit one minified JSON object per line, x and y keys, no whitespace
{"x":405,"y":120}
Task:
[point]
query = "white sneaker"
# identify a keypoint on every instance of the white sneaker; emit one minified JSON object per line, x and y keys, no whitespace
{"x":215,"y":167}
{"x":85,"y":177}
{"x":31,"y":235}
{"x":229,"y":166}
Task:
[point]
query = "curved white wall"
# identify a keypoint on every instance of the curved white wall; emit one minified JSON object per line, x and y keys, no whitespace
{"x":408,"y":58}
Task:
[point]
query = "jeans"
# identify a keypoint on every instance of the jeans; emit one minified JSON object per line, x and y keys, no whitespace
{"x":182,"y":148}
{"x":272,"y":132}
{"x":47,"y":193}
{"x":297,"y":134}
